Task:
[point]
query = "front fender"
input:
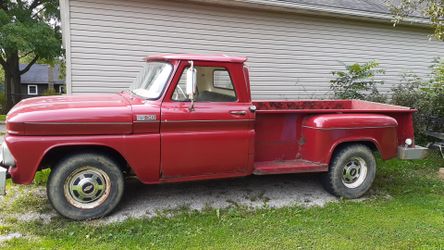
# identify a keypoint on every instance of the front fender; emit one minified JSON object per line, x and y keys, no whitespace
{"x":322,"y":134}
{"x":142,"y":152}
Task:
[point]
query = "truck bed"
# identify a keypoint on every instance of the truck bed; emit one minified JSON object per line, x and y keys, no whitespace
{"x":280,"y":130}
{"x":326,"y":106}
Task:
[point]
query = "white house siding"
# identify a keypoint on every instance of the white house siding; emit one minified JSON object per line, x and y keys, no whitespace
{"x":290,"y":55}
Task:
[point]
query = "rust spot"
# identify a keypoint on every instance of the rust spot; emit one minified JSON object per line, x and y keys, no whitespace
{"x":302,"y":141}
{"x":312,"y":104}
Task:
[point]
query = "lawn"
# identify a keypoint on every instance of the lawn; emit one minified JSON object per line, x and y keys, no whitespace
{"x":404,"y":210}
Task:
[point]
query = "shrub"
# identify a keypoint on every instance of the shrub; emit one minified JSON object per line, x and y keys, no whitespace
{"x":358,"y":81}
{"x":433,"y":107}
{"x":427,"y":96}
{"x":437,"y":82}
{"x":50,"y":91}
{"x":3,"y":103}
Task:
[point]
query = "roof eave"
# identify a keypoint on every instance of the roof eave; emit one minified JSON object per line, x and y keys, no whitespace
{"x":316,"y":10}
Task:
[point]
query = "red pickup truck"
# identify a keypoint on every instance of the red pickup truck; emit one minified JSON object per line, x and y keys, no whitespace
{"x":191,"y":117}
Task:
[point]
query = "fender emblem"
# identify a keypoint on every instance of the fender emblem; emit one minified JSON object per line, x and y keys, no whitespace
{"x":146,"y":118}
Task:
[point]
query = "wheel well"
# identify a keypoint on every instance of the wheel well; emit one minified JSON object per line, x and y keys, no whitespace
{"x":54,"y":155}
{"x":368,"y":144}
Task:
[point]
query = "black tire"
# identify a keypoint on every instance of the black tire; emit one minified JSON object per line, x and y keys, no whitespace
{"x":343,"y":178}
{"x":85,"y":186}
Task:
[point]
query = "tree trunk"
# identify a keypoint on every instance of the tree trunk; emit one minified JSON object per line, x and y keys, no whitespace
{"x":12,"y":81}
{"x":8,"y":99}
{"x":51,"y":79}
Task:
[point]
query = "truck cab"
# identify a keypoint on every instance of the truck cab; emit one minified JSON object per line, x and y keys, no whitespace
{"x":188,"y":118}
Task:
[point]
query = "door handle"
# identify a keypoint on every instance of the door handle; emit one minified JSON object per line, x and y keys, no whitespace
{"x":238,"y":112}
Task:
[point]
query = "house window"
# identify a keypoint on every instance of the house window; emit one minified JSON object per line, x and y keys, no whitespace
{"x":61,"y":89}
{"x":33,"y":90}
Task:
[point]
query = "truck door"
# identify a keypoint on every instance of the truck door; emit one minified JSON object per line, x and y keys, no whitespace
{"x":216,"y":137}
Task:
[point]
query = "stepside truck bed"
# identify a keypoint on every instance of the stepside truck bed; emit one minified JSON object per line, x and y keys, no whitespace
{"x":294,"y":136}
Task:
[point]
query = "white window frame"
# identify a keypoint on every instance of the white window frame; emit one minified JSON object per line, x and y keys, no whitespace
{"x":36,"y":89}
{"x":60,"y":89}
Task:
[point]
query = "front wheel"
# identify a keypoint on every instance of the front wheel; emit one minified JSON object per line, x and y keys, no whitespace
{"x":85,"y":186}
{"x":351,"y":173}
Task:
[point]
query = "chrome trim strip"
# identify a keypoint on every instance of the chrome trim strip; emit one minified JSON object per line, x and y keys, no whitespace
{"x":78,"y":123}
{"x":157,"y":121}
{"x":129,"y":123}
{"x":208,"y":121}
{"x":348,"y":128}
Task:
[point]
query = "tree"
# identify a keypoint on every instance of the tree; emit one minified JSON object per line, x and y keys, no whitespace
{"x":431,"y":9}
{"x":29,"y":31}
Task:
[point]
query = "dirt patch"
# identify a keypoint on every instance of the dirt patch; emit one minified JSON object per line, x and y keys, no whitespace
{"x":37,"y":216}
{"x":10,"y":236}
{"x":253,"y":192}
{"x":441,"y":173}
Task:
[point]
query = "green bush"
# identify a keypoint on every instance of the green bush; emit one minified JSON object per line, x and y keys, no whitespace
{"x":50,"y":91}
{"x":3,"y":103}
{"x":427,"y":96}
{"x":358,"y":81}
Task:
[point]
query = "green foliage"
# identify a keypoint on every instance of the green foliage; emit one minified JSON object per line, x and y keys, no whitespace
{"x":3,"y":103}
{"x":41,"y":177}
{"x":427,"y":96}
{"x":26,"y":28}
{"x":62,"y":70}
{"x":29,"y":33}
{"x":358,"y":81}
{"x":50,"y":91}
{"x":436,"y":84}
{"x":431,"y":9}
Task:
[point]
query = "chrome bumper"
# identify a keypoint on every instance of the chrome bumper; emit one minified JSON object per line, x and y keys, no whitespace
{"x":6,"y":161}
{"x":3,"y":172}
{"x":414,"y":153}
{"x":6,"y":158}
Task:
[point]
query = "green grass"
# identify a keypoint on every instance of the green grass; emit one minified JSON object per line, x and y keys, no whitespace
{"x":2,"y":118}
{"x":405,"y":210}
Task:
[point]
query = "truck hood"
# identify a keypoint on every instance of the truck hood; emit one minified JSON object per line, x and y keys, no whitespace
{"x":96,"y":114}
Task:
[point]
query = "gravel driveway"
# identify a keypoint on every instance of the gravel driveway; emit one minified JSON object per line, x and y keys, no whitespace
{"x":253,"y":192}
{"x":146,"y":201}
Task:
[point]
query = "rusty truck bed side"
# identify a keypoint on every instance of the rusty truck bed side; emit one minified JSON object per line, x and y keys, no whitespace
{"x":301,"y":136}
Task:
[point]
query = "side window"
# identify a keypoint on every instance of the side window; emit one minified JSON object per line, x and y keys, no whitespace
{"x":213,"y":85}
{"x":221,"y":79}
{"x":179,"y":94}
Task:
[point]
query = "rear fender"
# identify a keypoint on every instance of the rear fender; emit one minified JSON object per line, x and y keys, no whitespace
{"x":322,"y":134}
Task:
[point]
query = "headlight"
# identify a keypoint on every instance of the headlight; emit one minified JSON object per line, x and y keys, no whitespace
{"x":6,"y":157}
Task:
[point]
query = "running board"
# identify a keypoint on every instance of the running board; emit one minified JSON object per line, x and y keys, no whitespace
{"x":288,"y":167}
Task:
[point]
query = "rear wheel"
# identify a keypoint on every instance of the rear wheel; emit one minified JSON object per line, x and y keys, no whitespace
{"x":85,"y":186}
{"x":351,"y":173}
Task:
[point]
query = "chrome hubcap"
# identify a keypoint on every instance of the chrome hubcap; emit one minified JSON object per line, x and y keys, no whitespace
{"x":87,"y":187}
{"x":354,"y":172}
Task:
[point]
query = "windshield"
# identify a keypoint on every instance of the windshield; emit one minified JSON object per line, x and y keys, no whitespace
{"x":152,"y":79}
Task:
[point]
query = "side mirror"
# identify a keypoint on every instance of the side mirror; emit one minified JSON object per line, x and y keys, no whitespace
{"x":191,"y":81}
{"x":191,"y":84}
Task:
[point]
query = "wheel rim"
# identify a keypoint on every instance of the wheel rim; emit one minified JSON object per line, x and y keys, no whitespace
{"x":87,"y":187}
{"x":354,"y":172}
